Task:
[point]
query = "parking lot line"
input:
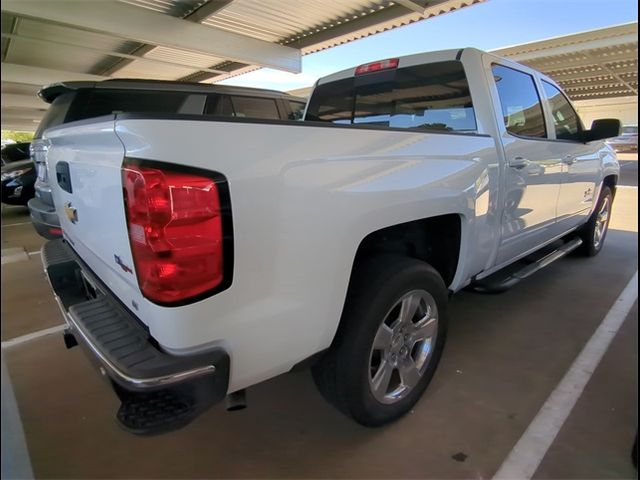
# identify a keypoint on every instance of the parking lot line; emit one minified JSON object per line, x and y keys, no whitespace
{"x":32,"y":336}
{"x":15,"y":224}
{"x":6,"y":207}
{"x":525,"y":457}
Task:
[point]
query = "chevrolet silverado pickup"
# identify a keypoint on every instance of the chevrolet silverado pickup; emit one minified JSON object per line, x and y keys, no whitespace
{"x":203,"y":254}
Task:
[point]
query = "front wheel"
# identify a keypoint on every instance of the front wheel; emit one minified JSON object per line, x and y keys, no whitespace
{"x":594,"y":232}
{"x":389,"y":343}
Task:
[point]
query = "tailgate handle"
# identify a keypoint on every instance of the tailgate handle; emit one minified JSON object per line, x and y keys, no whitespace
{"x":63,"y":176}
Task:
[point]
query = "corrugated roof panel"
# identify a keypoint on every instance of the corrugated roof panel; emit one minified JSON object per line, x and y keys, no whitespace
{"x":138,"y":69}
{"x":175,"y":8}
{"x":59,"y":33}
{"x":278,"y":21}
{"x":183,"y":56}
{"x":52,"y":56}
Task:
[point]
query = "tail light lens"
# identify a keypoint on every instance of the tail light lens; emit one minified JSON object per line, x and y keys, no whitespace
{"x":175,"y":229}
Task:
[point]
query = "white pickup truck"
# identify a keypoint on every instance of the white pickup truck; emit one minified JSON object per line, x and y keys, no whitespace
{"x":202,"y":255}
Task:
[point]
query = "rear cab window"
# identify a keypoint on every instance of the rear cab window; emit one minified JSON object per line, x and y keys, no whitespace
{"x":433,"y":96}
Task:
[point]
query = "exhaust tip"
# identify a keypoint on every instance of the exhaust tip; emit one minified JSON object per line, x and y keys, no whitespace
{"x":236,"y":401}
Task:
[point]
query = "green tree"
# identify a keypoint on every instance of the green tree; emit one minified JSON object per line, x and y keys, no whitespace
{"x":17,"y":136}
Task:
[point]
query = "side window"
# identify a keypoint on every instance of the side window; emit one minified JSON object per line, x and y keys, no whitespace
{"x":254,"y":107}
{"x":565,"y":119}
{"x":520,"y":102}
{"x":297,"y":110}
{"x":219,"y":105}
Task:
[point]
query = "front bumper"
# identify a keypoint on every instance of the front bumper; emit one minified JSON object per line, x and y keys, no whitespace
{"x":159,"y":392}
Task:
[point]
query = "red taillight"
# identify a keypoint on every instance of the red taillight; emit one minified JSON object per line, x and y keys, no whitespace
{"x":175,"y":230}
{"x":388,"y":64}
{"x":55,"y":231}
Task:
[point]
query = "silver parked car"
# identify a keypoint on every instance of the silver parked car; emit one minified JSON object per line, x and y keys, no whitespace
{"x":627,"y":142}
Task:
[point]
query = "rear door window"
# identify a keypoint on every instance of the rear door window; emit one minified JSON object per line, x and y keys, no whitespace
{"x":297,"y":110}
{"x":520,"y":102}
{"x":255,"y":107}
{"x":219,"y":105}
{"x":431,"y":96}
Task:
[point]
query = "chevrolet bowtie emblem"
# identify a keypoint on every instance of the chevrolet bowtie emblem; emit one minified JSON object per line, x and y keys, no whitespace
{"x":72,"y":213}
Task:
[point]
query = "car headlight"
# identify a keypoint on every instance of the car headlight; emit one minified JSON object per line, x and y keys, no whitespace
{"x":13,"y":174}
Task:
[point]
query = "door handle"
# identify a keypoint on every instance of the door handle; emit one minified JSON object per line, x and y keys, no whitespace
{"x":568,"y":159}
{"x":518,"y":162}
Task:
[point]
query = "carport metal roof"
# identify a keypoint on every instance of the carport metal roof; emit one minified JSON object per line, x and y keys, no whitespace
{"x":599,"y":63}
{"x":194,"y":40}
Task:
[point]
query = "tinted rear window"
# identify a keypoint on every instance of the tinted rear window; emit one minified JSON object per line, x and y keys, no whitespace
{"x":432,"y":96}
{"x":83,"y":104}
{"x":95,"y":103}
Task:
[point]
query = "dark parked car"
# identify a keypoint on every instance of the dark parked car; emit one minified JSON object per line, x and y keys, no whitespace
{"x":18,"y":179}
{"x":73,"y":101}
{"x":14,"y":152}
{"x":18,"y":174}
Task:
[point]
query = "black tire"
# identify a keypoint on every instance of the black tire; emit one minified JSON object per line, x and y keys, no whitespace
{"x":342,"y":374}
{"x":590,"y":247}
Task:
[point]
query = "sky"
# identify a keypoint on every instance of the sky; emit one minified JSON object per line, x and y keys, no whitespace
{"x":487,"y":26}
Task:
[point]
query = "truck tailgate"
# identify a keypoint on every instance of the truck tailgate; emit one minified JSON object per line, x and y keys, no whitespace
{"x":84,"y":164}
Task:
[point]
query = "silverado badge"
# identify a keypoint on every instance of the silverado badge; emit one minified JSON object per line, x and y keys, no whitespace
{"x":72,"y":213}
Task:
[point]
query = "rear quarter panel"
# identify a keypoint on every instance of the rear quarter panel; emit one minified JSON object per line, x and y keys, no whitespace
{"x":303,"y":198}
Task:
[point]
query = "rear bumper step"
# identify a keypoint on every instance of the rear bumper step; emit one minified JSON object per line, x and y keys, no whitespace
{"x":492,"y":285}
{"x":159,"y":392}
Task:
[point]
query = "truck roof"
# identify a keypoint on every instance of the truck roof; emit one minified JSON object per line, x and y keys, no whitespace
{"x":428,"y":57}
{"x":51,"y":92}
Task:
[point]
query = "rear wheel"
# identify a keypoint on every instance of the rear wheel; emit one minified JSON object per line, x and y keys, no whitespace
{"x":594,"y":232}
{"x":390,"y":341}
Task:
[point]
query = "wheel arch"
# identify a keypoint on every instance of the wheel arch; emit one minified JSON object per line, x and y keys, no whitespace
{"x":435,"y":240}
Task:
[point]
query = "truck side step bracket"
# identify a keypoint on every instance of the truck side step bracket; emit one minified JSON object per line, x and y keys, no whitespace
{"x":494,"y":285}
